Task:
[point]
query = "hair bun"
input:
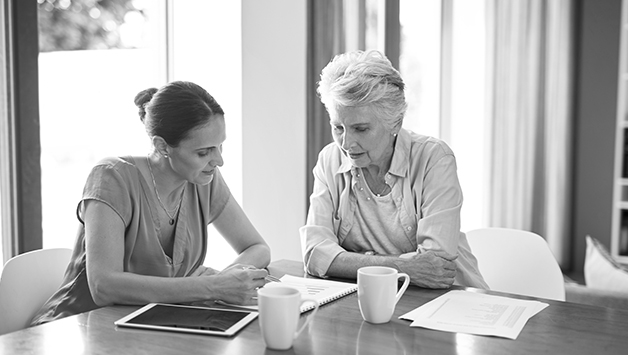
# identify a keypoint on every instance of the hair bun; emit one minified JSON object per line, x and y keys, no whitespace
{"x":142,"y":99}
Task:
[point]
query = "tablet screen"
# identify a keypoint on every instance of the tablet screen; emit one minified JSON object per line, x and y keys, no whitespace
{"x":190,"y":319}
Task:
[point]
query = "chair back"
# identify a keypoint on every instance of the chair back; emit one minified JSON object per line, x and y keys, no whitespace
{"x":517,"y":261}
{"x":27,"y":281}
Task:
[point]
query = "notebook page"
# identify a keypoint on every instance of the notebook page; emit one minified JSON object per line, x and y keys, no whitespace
{"x":323,"y":291}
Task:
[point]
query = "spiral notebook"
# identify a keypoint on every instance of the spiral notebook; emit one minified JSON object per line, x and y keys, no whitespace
{"x":321,"y":290}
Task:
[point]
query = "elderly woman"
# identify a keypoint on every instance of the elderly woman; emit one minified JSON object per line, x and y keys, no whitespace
{"x":382,"y":195}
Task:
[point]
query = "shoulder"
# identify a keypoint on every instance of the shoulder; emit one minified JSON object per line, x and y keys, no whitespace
{"x":114,"y":182}
{"x":331,"y":155}
{"x":116,"y":168}
{"x":119,"y":164}
{"x":115,"y":163}
{"x":330,"y":150}
{"x":420,"y":153}
{"x":428,"y":145}
{"x":425,"y":150}
{"x":332,"y":162}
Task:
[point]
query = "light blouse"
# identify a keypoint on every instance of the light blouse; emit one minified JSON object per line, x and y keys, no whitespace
{"x":427,"y":201}
{"x":118,"y":183}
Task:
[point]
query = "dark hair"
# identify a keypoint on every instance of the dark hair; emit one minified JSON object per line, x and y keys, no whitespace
{"x":175,"y":109}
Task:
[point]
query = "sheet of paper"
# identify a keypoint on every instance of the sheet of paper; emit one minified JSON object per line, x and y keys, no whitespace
{"x":475,"y":313}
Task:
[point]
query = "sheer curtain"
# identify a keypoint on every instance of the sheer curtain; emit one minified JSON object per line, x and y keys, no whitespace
{"x":529,"y":108}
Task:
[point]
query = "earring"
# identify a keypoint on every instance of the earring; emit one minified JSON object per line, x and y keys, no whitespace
{"x":394,"y":134}
{"x":165,"y":156}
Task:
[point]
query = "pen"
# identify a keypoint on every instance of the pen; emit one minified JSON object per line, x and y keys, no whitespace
{"x":269,"y":278}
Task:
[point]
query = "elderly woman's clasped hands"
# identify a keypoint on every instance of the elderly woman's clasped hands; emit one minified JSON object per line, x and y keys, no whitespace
{"x":429,"y":269}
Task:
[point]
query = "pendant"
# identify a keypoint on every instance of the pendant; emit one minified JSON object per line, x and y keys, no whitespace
{"x":171,"y":221}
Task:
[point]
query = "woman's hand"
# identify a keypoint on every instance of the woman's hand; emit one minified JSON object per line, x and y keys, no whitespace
{"x":430,"y":269}
{"x":238,"y":284}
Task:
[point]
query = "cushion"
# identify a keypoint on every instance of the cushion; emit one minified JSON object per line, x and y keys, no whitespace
{"x":582,"y":294}
{"x":601,"y":271}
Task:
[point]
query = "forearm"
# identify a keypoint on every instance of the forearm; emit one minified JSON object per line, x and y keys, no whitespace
{"x":346,"y":264}
{"x":257,"y":255}
{"x":129,"y":288}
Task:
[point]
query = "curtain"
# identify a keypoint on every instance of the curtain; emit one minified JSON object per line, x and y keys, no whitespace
{"x":530,"y":120}
{"x":325,"y":40}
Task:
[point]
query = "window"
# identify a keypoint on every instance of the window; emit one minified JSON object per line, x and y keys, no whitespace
{"x":94,"y":58}
{"x":467,"y":125}
{"x":442,"y":63}
{"x":420,"y":64}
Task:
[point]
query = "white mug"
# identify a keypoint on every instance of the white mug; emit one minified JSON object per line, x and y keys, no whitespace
{"x":279,"y":311}
{"x":377,"y":292}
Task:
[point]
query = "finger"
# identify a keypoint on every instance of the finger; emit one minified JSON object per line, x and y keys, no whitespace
{"x":251,"y":301}
{"x":445,"y":255}
{"x":445,"y":282}
{"x":450,"y":265}
{"x":259,"y":283}
{"x":257,"y":274}
{"x":441,"y":275}
{"x":254,"y":272}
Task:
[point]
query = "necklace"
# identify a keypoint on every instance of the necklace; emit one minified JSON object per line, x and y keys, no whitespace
{"x":376,"y":180}
{"x":176,"y":208}
{"x":386,"y":186}
{"x":383,"y":190}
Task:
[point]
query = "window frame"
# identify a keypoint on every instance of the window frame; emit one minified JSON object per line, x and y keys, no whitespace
{"x":20,"y":147}
{"x":20,"y":150}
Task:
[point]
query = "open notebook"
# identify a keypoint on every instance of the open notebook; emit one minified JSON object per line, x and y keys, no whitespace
{"x":323,"y":291}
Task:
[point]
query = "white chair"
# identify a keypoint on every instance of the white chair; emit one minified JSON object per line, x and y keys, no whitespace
{"x":27,"y":281}
{"x":517,"y":261}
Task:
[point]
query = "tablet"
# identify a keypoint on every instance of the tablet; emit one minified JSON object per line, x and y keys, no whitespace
{"x":188,"y":319}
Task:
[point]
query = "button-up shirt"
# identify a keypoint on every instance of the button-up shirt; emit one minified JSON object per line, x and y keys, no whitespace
{"x":426,"y":194}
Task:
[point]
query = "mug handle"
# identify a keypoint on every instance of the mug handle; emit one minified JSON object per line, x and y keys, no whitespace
{"x":403,"y":288}
{"x":309,"y":318}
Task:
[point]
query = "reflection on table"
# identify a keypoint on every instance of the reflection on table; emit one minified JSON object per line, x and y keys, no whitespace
{"x":338,"y":328}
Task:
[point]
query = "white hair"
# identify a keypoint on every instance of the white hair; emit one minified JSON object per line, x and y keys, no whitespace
{"x":361,"y":78}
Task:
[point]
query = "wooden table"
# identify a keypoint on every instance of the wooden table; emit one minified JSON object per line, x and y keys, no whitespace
{"x":338,"y":328}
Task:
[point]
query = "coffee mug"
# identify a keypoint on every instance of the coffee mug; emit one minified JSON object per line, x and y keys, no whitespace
{"x":279,"y":311}
{"x":377,"y":292}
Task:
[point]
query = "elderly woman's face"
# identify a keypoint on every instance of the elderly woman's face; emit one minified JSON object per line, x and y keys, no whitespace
{"x":361,"y":135}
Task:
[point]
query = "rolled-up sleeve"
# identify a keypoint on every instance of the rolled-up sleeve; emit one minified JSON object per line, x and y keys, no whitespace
{"x":439,"y":223}
{"x":319,"y":241}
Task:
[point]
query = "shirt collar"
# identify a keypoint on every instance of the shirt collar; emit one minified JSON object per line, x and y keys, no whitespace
{"x":399,"y":164}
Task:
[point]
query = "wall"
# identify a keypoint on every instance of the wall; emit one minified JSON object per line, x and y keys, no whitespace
{"x":273,"y":121}
{"x":258,"y":53}
{"x":196,"y":45}
{"x":598,"y":22}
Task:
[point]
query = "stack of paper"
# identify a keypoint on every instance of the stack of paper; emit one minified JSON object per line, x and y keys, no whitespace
{"x":475,"y":313}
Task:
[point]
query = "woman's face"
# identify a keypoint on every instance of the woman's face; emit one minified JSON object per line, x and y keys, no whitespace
{"x":362,"y":136}
{"x":197,"y":156}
